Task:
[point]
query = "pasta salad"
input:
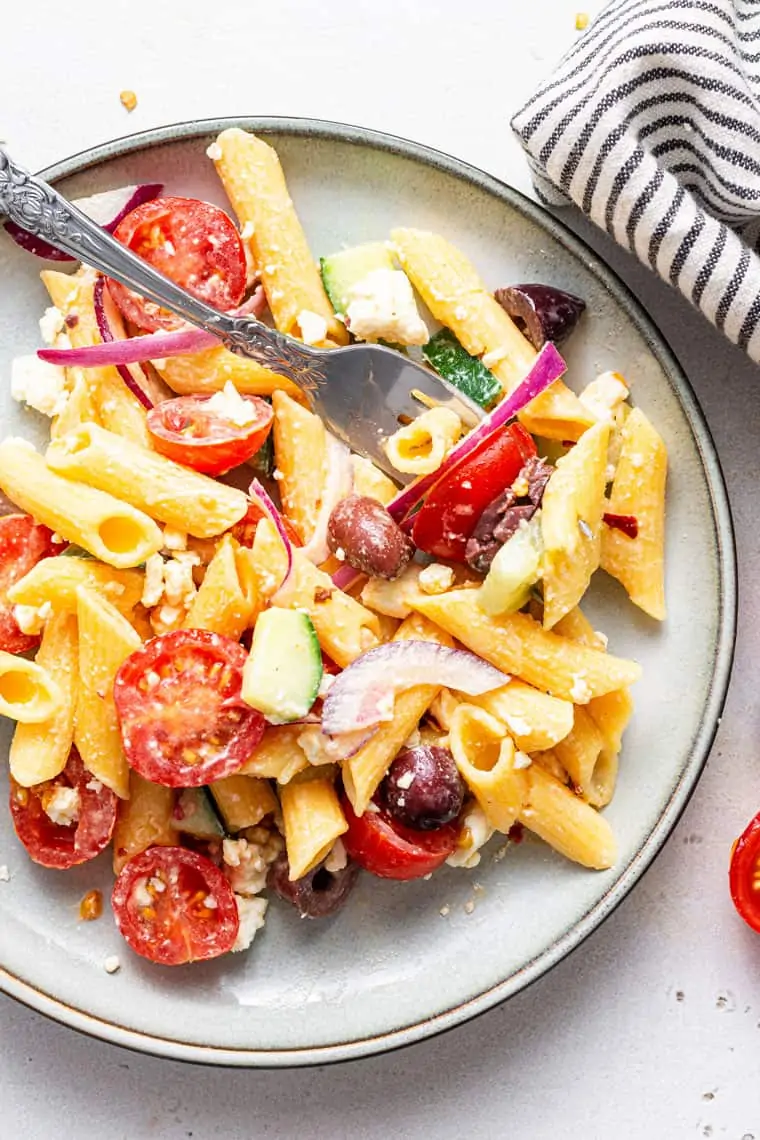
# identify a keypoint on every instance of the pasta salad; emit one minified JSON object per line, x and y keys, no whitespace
{"x":241,"y":655}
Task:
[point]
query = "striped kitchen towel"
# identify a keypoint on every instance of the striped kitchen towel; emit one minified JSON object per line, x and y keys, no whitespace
{"x":651,"y":125}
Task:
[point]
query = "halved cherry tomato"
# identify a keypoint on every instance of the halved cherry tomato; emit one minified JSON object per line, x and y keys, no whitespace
{"x":744,"y":874}
{"x":174,"y":906}
{"x":192,"y":242}
{"x":451,"y":510}
{"x":57,"y":845}
{"x":245,"y":530}
{"x":387,"y":849}
{"x":23,"y":543}
{"x":186,"y":431}
{"x":183,"y":722}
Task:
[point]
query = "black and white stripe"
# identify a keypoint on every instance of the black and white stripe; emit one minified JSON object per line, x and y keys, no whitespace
{"x":651,"y":124}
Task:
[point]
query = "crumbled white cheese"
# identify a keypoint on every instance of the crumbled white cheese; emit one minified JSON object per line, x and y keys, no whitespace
{"x":382,"y":306}
{"x":5,"y":875}
{"x":31,"y":619}
{"x":603,"y":396}
{"x":494,"y":357}
{"x":246,"y":863}
{"x":521,"y":760}
{"x":62,"y":805}
{"x":521,"y":487}
{"x":313,"y":327}
{"x":405,"y":781}
{"x":517,"y":726}
{"x":40,"y":385}
{"x":111,"y":964}
{"x":476,"y":831}
{"x":231,"y":406}
{"x":337,"y":858}
{"x":164,"y":619}
{"x":170,"y":580}
{"x":436,"y":579}
{"x":51,"y":324}
{"x":251,"y":913}
{"x":580,"y":693}
{"x":601,"y":638}
{"x":214,"y":151}
{"x":445,"y":910}
{"x":174,"y":539}
{"x":153,"y":586}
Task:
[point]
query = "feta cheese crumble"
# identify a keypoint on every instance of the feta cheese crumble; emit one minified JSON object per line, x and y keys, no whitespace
{"x":382,"y":305}
{"x":5,"y":875}
{"x":251,"y":913}
{"x":214,"y":152}
{"x":476,"y":831}
{"x":62,"y":805}
{"x":580,"y":693}
{"x":436,"y":579}
{"x":231,"y":406}
{"x":337,"y":858}
{"x":170,"y":581}
{"x":39,"y":385}
{"x":603,"y":396}
{"x":313,"y":327}
{"x":31,"y":619}
{"x":52,"y":323}
{"x":521,"y":760}
{"x":247,"y":860}
{"x":111,"y":964}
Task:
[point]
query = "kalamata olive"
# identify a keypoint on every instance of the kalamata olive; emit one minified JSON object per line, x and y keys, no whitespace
{"x":542,"y":312}
{"x":423,"y":788}
{"x":316,"y":895}
{"x":362,"y":532}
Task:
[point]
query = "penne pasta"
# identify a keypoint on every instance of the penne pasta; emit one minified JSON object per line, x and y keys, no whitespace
{"x":56,"y":581}
{"x":312,"y":821}
{"x":370,"y":481}
{"x":344,"y":627}
{"x":534,"y":720}
{"x":566,"y":822}
{"x":28,"y":692}
{"x":363,"y":771}
{"x":421,"y":446}
{"x":145,"y":819}
{"x":453,"y":291}
{"x":165,"y":490}
{"x":638,"y":491}
{"x":255,"y":185}
{"x":517,"y":644}
{"x":394,"y":597}
{"x":80,"y":406}
{"x":571,"y":522}
{"x":243,"y":800}
{"x":204,"y":373}
{"x":107,"y":528}
{"x":549,"y":762}
{"x":486,"y":758}
{"x":279,"y":756}
{"x":579,"y":752}
{"x":300,"y":450}
{"x":107,"y":395}
{"x":227,"y":600}
{"x":39,"y":751}
{"x":106,"y":639}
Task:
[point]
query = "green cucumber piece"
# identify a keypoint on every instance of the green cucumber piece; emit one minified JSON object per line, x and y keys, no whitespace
{"x":450,"y":360}
{"x":283,"y":672}
{"x":514,"y":571}
{"x":196,"y":815}
{"x":342,"y":271}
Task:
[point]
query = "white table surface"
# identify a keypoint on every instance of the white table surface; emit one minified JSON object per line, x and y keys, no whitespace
{"x":652,"y":1028}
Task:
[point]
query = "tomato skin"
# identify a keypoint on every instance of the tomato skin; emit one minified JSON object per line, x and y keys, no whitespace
{"x":451,"y":510}
{"x":184,"y":431}
{"x":744,"y":873}
{"x":387,"y":849}
{"x":192,"y":242}
{"x":51,"y":844}
{"x":23,"y":543}
{"x":182,"y":719}
{"x":177,"y":927}
{"x":245,"y":530}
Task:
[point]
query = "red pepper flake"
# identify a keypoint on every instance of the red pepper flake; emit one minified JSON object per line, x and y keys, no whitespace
{"x":71,"y":321}
{"x":628,"y":524}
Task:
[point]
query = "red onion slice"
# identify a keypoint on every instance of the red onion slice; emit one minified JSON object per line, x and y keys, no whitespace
{"x":547,"y":367}
{"x":107,"y":209}
{"x":105,"y":321}
{"x":345,"y":578}
{"x":339,"y":483}
{"x":256,"y":491}
{"x":153,"y":346}
{"x":362,"y":695}
{"x":338,"y":748}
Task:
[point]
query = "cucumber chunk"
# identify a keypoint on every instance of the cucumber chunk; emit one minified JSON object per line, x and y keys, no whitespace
{"x":450,"y":360}
{"x":514,"y":570}
{"x":341,"y":271}
{"x":283,"y":672}
{"x":195,"y":814}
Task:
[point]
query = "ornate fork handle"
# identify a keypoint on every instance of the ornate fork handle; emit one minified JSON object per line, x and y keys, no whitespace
{"x":38,"y":208}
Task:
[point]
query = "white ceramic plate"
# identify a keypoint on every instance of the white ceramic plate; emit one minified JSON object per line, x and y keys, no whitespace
{"x":389,"y":970}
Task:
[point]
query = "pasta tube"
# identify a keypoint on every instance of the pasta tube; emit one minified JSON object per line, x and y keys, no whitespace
{"x":486,"y":759}
{"x":566,"y":822}
{"x":111,"y":530}
{"x":534,"y":720}
{"x":279,"y":756}
{"x":228,"y":599}
{"x":243,"y":800}
{"x":167,"y":491}
{"x":300,"y":449}
{"x":39,"y":752}
{"x":28,"y":692}
{"x":208,"y":371}
{"x":56,"y":580}
{"x":313,"y":820}
{"x":145,"y":820}
{"x":421,"y":446}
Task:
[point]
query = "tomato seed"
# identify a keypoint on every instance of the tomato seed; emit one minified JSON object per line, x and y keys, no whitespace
{"x":91,"y":906}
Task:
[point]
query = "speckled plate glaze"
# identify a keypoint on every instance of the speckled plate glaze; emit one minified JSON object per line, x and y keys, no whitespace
{"x":390,"y":970}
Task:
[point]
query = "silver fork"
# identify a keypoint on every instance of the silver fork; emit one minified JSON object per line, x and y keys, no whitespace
{"x":362,"y":393}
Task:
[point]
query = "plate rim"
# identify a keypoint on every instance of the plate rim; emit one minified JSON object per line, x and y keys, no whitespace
{"x":309,"y":1055}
